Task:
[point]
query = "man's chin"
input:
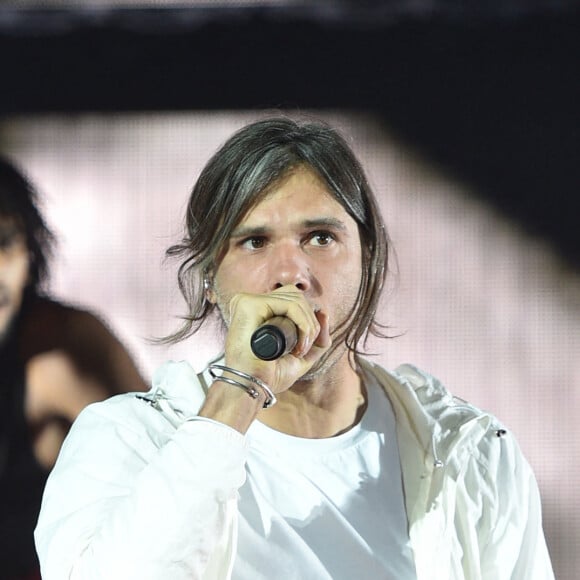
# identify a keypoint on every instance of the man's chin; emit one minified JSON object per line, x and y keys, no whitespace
{"x":324,"y":365}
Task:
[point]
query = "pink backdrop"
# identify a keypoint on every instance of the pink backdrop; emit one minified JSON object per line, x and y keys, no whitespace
{"x":489,"y":310}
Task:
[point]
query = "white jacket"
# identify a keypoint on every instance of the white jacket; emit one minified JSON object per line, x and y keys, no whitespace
{"x":143,"y":489}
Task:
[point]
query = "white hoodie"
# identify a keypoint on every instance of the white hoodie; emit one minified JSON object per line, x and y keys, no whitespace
{"x":144,"y":489}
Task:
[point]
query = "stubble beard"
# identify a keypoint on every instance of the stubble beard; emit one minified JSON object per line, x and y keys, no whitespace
{"x":325,"y":365}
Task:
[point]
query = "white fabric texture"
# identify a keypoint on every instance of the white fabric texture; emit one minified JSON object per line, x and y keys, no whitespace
{"x":325,"y":508}
{"x":143,"y":489}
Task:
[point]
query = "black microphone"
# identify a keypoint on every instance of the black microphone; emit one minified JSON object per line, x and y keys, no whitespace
{"x":277,"y":337}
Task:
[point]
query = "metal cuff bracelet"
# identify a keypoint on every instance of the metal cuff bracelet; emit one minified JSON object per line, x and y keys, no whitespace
{"x":270,"y":397}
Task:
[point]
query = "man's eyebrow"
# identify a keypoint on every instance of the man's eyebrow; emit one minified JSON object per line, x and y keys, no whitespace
{"x":10,"y":233}
{"x":249,"y":231}
{"x":323,"y":222}
{"x":327,"y":222}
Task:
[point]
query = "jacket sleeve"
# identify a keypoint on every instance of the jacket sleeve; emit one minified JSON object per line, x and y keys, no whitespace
{"x":515,"y":547}
{"x":140,"y":498}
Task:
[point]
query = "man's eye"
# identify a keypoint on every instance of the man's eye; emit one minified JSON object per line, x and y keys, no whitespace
{"x":321,"y":238}
{"x":253,"y":243}
{"x":8,"y":241}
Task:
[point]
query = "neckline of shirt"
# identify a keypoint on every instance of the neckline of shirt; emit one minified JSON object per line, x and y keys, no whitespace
{"x":266,"y":439}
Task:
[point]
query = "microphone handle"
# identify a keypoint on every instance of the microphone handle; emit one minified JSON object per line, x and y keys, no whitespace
{"x":277,"y":337}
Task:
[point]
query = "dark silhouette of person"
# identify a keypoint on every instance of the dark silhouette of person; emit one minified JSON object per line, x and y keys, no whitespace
{"x":54,"y":360}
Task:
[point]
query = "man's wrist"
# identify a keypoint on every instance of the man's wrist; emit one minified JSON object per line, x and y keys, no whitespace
{"x":231,"y":406}
{"x":242,"y":380}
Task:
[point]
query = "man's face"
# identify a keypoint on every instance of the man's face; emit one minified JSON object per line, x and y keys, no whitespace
{"x":298,"y":234}
{"x":14,"y":265}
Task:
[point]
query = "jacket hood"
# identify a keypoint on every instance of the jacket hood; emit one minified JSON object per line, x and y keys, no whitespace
{"x":437,"y":419}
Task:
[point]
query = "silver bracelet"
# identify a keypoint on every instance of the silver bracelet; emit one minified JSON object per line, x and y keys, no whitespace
{"x":270,"y":397}
{"x":249,"y":389}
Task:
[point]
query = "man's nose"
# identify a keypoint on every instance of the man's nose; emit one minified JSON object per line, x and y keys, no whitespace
{"x":290,"y":266}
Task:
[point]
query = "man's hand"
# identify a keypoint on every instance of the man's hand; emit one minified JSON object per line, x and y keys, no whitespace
{"x":246,"y":313}
{"x":249,"y":311}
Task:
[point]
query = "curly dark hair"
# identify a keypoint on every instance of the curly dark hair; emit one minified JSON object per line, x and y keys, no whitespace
{"x":19,"y":216}
{"x":235,"y":180}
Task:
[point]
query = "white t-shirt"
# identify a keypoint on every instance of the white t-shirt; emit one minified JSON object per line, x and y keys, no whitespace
{"x":325,"y":508}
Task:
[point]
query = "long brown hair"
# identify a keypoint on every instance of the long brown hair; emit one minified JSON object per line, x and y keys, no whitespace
{"x":234,"y":180}
{"x":19,"y":209}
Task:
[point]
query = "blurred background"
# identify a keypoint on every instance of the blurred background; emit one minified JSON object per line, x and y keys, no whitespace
{"x":464,"y":114}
